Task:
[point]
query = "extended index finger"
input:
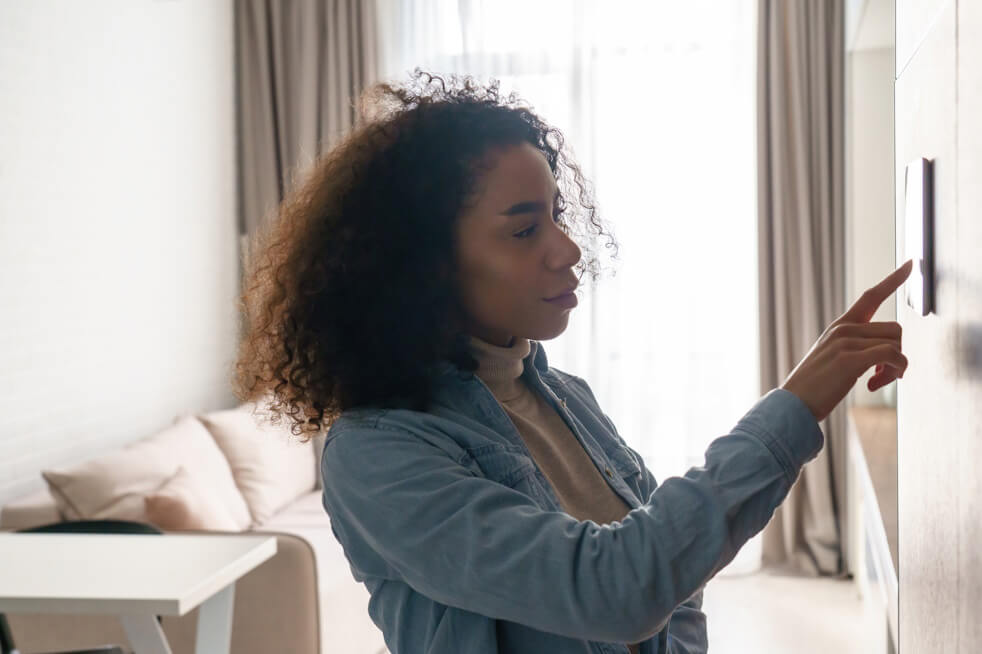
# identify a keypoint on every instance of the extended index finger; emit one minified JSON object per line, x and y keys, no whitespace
{"x":867,"y":304}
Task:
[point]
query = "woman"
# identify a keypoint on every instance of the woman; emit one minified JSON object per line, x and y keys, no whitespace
{"x":483,"y":497}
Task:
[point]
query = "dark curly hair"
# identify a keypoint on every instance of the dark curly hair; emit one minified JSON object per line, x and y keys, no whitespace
{"x":349,"y":296}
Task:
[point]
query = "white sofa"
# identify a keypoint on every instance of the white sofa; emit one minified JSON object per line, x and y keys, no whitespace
{"x":302,"y":600}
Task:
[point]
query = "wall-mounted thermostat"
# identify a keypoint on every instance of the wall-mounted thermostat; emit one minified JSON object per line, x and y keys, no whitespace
{"x":919,"y":234}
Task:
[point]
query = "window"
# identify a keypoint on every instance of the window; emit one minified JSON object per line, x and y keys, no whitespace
{"x":657,"y":100}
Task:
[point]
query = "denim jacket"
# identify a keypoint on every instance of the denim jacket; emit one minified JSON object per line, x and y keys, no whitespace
{"x":461,"y":541}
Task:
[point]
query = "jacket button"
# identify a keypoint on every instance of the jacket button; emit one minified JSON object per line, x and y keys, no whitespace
{"x":607,"y":470}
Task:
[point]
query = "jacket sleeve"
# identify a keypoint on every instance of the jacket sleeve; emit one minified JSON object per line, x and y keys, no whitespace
{"x":687,"y":627}
{"x":408,"y":509}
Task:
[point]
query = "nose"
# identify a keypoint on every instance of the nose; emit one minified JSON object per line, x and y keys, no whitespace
{"x":564,"y":253}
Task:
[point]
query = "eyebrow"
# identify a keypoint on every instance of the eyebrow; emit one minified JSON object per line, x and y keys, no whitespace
{"x":526,"y":207}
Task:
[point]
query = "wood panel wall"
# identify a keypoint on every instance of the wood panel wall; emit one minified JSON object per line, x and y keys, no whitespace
{"x":938,"y":115}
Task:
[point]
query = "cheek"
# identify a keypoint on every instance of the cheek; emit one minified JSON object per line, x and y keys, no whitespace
{"x":497,"y":284}
{"x":502,"y":284}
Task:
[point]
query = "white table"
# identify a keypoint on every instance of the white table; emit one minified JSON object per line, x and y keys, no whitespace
{"x":134,"y":576}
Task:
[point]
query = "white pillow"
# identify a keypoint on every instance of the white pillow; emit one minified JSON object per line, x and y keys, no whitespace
{"x":270,"y":465}
{"x":181,"y":505}
{"x":113,"y":485}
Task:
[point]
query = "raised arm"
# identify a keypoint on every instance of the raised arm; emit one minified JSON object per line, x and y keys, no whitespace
{"x":410,"y":507}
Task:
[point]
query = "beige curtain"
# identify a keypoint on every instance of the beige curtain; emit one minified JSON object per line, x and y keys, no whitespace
{"x":800,"y":114}
{"x":300,"y":65}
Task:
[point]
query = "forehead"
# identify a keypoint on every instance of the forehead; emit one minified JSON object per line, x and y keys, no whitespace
{"x":518,"y":172}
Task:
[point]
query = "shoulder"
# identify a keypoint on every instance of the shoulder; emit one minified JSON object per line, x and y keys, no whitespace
{"x":378,"y":433}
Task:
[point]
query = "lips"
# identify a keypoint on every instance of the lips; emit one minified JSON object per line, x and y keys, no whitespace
{"x":566,"y":292}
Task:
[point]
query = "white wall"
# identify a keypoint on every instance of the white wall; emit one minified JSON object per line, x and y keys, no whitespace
{"x":118,"y":205}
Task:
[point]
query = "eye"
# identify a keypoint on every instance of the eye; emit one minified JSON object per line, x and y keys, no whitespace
{"x":525,"y":233}
{"x":557,"y":211}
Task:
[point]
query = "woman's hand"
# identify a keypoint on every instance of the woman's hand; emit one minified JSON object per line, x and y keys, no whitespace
{"x":848,"y":347}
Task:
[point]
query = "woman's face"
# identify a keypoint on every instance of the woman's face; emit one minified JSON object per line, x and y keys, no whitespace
{"x":512,"y":255}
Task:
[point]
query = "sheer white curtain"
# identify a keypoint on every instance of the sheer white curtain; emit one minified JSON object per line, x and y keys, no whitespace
{"x":657,"y":101}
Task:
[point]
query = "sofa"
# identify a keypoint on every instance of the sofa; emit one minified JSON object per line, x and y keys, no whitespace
{"x":230,"y":472}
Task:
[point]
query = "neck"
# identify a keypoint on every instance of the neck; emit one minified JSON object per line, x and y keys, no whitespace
{"x":501,"y":367}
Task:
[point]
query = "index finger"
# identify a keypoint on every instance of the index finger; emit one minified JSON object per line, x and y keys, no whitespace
{"x":867,"y":304}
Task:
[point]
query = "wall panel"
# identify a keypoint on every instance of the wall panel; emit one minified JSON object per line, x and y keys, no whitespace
{"x":967,"y":390}
{"x":928,"y":457}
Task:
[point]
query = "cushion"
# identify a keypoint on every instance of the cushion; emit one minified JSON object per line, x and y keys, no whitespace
{"x":182,"y":504}
{"x":271,"y":466}
{"x":114,"y":484}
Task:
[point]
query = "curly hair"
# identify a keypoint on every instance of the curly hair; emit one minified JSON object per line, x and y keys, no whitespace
{"x":349,"y":297}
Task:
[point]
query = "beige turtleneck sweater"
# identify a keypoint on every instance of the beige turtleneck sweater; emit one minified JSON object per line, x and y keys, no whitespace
{"x":580,"y":487}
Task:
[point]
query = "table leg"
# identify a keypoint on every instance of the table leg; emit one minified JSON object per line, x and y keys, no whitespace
{"x":215,"y":623}
{"x":145,"y":634}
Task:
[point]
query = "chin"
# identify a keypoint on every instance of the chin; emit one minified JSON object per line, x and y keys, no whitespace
{"x":550,"y":331}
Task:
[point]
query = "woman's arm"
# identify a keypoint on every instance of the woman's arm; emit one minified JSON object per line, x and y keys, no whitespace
{"x":407,"y":509}
{"x":687,"y":628}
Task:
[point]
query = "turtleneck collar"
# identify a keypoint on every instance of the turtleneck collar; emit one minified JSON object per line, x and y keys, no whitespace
{"x":501,"y":367}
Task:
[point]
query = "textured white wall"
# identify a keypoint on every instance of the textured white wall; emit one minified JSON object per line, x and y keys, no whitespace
{"x":118,"y":254}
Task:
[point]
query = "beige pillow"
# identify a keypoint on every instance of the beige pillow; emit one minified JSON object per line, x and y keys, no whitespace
{"x":114,"y":484}
{"x":181,"y":504}
{"x":270,"y":465}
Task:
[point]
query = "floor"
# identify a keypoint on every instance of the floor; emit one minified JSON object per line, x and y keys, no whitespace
{"x":766,"y":614}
